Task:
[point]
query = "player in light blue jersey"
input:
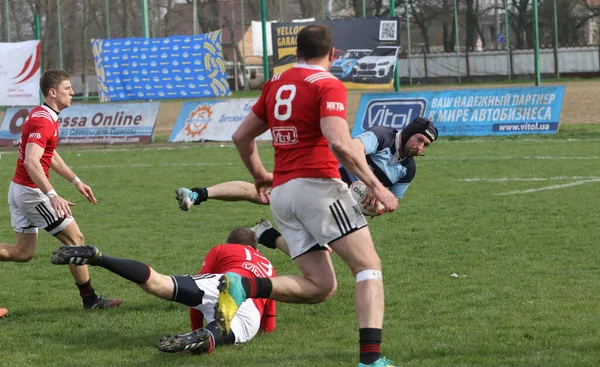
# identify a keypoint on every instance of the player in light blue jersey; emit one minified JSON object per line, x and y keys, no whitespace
{"x":390,"y":154}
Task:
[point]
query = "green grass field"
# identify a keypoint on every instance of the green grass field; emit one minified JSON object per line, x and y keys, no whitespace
{"x":516,"y":219}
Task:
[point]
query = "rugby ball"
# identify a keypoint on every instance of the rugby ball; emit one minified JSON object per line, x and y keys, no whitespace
{"x":358,"y":190}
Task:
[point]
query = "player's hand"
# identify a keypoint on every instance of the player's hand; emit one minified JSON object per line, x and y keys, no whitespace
{"x":385,"y":196}
{"x":371,"y":202}
{"x":86,"y":191}
{"x":61,"y":206}
{"x":263,"y":187}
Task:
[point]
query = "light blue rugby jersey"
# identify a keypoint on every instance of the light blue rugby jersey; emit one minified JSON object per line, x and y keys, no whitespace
{"x":380,"y":147}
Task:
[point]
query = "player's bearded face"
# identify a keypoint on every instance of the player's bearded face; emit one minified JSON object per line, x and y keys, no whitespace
{"x":416,"y":145}
{"x":64,"y":94}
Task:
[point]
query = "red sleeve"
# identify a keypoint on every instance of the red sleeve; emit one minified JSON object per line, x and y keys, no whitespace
{"x":333,"y":98}
{"x":196,"y":319}
{"x":260,"y":107}
{"x":41,"y":131}
{"x":210,"y":261}
{"x":267,"y":322}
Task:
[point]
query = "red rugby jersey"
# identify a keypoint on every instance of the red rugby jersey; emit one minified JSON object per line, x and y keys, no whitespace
{"x":293,"y":104}
{"x":41,"y":128}
{"x":247,"y":262}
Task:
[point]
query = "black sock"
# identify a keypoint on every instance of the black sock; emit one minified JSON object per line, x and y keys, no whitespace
{"x":269,"y":237}
{"x":132,"y":270}
{"x":257,"y":287}
{"x":202,"y":194}
{"x":218,"y":338}
{"x":370,"y":345}
{"x":87,"y":293}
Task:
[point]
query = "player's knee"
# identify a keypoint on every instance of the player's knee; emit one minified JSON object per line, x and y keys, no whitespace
{"x":325,"y":290}
{"x":78,"y":239}
{"x":369,"y":274}
{"x":372,"y":263}
{"x":24,"y":255}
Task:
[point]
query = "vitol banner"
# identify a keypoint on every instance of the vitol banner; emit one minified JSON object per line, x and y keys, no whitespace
{"x":91,"y":124}
{"x":20,"y":73}
{"x":160,"y":68}
{"x":212,"y":120}
{"x":469,"y":112}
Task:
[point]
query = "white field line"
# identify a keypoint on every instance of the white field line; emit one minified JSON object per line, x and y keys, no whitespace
{"x":507,"y":141}
{"x":506,"y":179}
{"x":552,"y":187}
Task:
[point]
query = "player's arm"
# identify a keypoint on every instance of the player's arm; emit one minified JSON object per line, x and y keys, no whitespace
{"x":59,"y":166}
{"x":33,"y":155}
{"x":244,"y":139}
{"x":352,"y":158}
{"x":268,"y":320}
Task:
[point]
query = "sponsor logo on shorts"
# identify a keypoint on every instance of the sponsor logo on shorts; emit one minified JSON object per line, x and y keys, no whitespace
{"x":284,"y":135}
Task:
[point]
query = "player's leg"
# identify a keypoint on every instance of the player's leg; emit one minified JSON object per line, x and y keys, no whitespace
{"x":270,"y":237}
{"x":302,"y":209}
{"x":26,"y":231}
{"x":244,"y":326}
{"x":181,"y":289}
{"x":226,"y":191}
{"x":357,"y":250}
{"x":68,"y":233}
{"x":23,"y":250}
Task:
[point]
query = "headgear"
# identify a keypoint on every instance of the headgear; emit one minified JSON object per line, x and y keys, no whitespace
{"x":420,"y":125}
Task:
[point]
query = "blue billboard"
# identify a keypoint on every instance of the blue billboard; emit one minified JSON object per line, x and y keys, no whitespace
{"x":467,"y":112}
{"x":160,"y":68}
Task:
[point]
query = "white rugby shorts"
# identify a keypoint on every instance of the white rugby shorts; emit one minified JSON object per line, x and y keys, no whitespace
{"x":245,"y":323}
{"x":314,"y":211}
{"x":30,"y":209}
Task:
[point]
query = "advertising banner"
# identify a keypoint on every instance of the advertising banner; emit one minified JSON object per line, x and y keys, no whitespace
{"x":91,"y":124}
{"x":366,"y":49}
{"x":20,"y":73}
{"x":160,"y":68}
{"x":212,"y":120}
{"x":468,"y":112}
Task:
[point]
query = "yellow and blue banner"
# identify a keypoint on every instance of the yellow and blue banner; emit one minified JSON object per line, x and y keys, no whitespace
{"x":466,"y":112}
{"x":160,"y":68}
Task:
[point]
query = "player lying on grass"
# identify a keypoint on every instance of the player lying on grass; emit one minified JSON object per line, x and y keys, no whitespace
{"x":199,"y":292}
{"x":389,"y":153}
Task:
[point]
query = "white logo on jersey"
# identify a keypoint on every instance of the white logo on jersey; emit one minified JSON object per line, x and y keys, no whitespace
{"x":335,"y":106}
{"x":55,"y":132}
{"x":284,"y":135}
{"x":35,"y":136}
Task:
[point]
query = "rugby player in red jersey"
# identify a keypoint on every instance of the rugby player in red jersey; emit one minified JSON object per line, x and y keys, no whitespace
{"x":33,"y":201}
{"x":199,"y":292}
{"x":305,"y":109}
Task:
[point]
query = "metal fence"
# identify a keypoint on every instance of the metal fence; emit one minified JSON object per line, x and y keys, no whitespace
{"x":443,"y":41}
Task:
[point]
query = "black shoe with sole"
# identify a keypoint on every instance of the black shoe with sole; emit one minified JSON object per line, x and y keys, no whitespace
{"x":76,"y":255}
{"x":103,"y":303}
{"x":198,"y":342}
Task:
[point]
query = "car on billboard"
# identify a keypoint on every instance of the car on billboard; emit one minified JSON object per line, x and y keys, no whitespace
{"x":377,"y":67}
{"x":343,"y":66}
